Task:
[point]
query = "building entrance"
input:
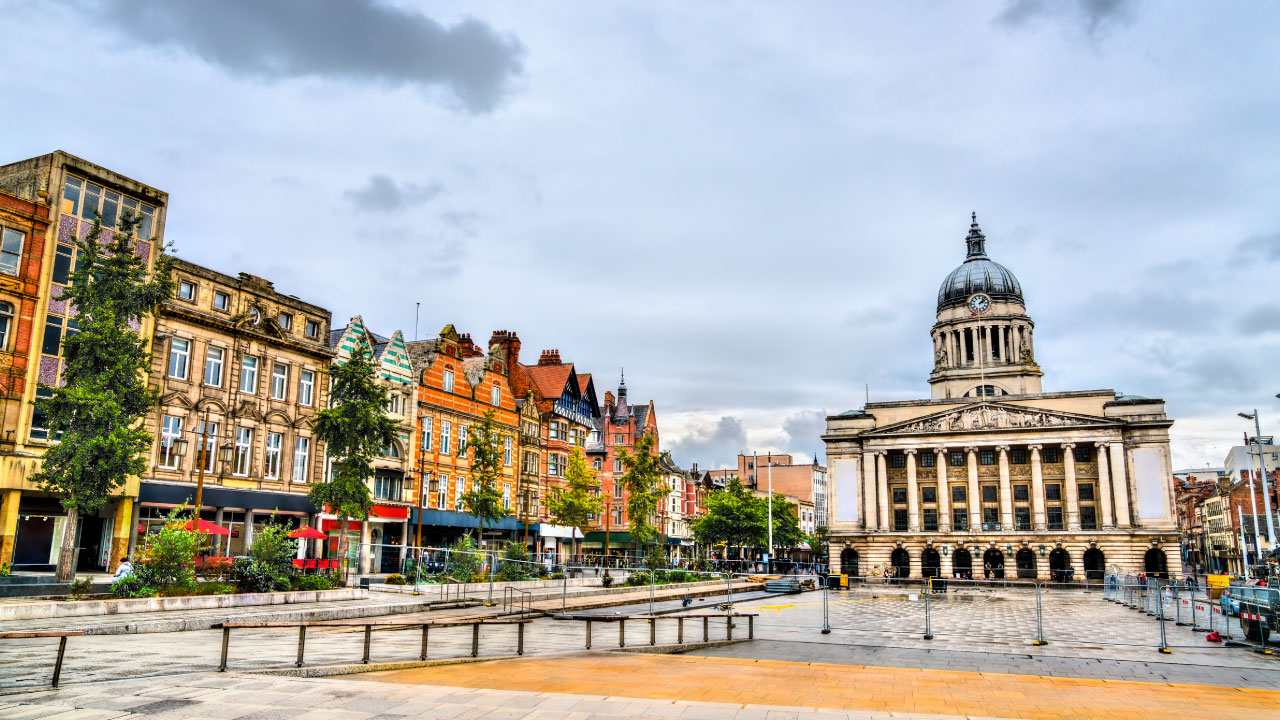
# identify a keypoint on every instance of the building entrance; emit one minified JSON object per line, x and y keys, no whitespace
{"x":1026,"y":560}
{"x":849,"y":562}
{"x":993,"y":564}
{"x":901,"y":563}
{"x":1094,"y":564}
{"x":962,"y":564}
{"x":1155,"y":563}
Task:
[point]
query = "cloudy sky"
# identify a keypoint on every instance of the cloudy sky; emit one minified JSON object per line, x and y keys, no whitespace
{"x":748,"y":205}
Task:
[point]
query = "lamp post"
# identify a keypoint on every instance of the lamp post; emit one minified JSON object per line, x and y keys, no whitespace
{"x":224,"y":454}
{"x":1266,"y":491}
{"x":608,"y":518}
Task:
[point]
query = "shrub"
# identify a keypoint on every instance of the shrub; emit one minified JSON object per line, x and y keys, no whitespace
{"x":677,"y":576}
{"x":215,"y":588}
{"x":131,"y":586}
{"x":269,"y":565}
{"x":606,"y":581}
{"x":252,"y":576}
{"x":168,"y":557}
{"x":80,"y":588}
{"x":311,"y":582}
{"x":557,"y":576}
{"x":516,"y":565}
{"x":4,"y":569}
{"x":639,"y":577}
{"x":654,"y":559}
{"x":395,"y":579}
{"x":464,"y":561}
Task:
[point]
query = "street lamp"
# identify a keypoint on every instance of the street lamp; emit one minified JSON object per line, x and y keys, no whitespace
{"x":1266,"y":491}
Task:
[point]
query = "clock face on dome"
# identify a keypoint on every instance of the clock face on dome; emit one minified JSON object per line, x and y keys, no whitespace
{"x":979,"y":303}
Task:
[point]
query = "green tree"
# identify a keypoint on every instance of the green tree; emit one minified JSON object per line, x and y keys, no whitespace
{"x":734,"y":517}
{"x":97,"y":412}
{"x":786,"y":523}
{"x":166,"y":560}
{"x":821,"y":541}
{"x":643,"y":483}
{"x":578,"y":500}
{"x":484,"y":500}
{"x":355,"y":432}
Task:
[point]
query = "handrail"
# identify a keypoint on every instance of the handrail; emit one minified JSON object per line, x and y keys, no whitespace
{"x":508,"y":599}
{"x":62,"y":636}
{"x":653,"y":625}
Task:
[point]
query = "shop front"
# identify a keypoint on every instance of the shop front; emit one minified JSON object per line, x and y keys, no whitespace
{"x":442,"y":528}
{"x":39,"y":526}
{"x":243,"y":512}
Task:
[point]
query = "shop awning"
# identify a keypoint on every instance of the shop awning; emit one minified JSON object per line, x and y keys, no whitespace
{"x":559,"y":531}
{"x":615,"y":538}
{"x":447,"y":518}
{"x":257,"y":500}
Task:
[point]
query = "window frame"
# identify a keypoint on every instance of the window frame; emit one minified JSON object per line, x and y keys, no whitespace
{"x":279,"y":381}
{"x":240,"y":460}
{"x":249,"y":367}
{"x":183,"y":356}
{"x":225,"y":297}
{"x":306,"y":387}
{"x":6,"y":251}
{"x":209,"y":363}
{"x":183,"y":285}
{"x":170,"y":431}
{"x":301,"y":451}
{"x":6,"y":323}
{"x":271,"y":456}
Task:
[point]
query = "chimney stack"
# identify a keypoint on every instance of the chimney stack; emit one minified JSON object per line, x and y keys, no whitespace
{"x":510,"y":344}
{"x":550,"y":357}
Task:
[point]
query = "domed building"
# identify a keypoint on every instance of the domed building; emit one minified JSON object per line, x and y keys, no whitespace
{"x":991,"y":475}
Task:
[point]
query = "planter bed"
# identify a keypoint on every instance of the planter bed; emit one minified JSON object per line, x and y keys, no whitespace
{"x":123,"y":606}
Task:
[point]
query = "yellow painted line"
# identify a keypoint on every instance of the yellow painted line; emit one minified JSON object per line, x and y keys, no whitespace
{"x":836,"y":602}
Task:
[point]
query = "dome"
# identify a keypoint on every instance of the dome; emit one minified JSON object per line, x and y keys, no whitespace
{"x":978,"y":274}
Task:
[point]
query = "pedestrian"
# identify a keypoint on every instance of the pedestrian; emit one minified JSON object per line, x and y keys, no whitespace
{"x":125,"y":569}
{"x":986,"y":571}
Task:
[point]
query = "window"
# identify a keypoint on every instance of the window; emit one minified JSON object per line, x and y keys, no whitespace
{"x":958,"y":493}
{"x":221,"y":301}
{"x":459,"y":489}
{"x":617,"y":489}
{"x":928,"y":459}
{"x":959,"y":519}
{"x":897,"y":460}
{"x":387,"y":487}
{"x":211,"y":452}
{"x":1054,"y":513}
{"x":956,"y":459}
{"x":306,"y":387}
{"x":301,"y":454}
{"x":900,"y":520}
{"x":506,"y":451}
{"x":187,"y":290}
{"x":313,"y":329}
{"x":244,"y":446}
{"x":279,"y":380}
{"x":426,"y":434}
{"x":271,"y":469}
{"x":6,"y":320}
{"x":1083,"y":453}
{"x":1052,"y":492}
{"x":285,"y":321}
{"x":1051,"y":455}
{"x":596,"y":463}
{"x":1086,"y":492}
{"x":170,"y":432}
{"x":1018,"y":456}
{"x":617,"y":465}
{"x":987,"y":457}
{"x":506,"y":497}
{"x":619,"y":439}
{"x":930,"y":519}
{"x":1020,"y":493}
{"x":92,"y":197}
{"x":179,"y":355}
{"x":442,"y":491}
{"x":553,"y":430}
{"x":391,"y":450}
{"x":448,"y":381}
{"x":899,"y":495}
{"x":990,"y":518}
{"x":553,"y":465}
{"x":11,"y":251}
{"x":990,"y":493}
{"x":462,"y":438}
{"x":110,"y":208}
{"x":213,"y":366}
{"x":249,"y":375}
{"x":1088,"y":519}
{"x":1022,"y":518}
{"x":929,"y":494}
{"x":495,"y":396}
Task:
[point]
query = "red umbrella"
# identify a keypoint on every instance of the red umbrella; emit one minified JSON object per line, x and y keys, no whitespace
{"x":205,"y":526}
{"x":308,"y":533}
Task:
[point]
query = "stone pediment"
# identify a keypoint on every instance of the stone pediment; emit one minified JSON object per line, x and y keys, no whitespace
{"x":991,"y":416}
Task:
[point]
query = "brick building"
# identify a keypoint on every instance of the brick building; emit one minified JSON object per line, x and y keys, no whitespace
{"x":618,"y":427}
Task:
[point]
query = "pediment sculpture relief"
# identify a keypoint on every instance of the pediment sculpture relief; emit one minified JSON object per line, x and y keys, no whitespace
{"x":987,"y":417}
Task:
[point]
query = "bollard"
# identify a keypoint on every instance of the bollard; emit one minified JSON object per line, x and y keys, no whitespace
{"x":493,"y":561}
{"x":226,"y":640}
{"x":728,"y":627}
{"x":588,"y":633}
{"x":57,"y":666}
{"x":826,"y":615}
{"x":425,"y":629}
{"x":706,"y":629}
{"x":368,"y":638}
{"x":622,"y":633}
{"x":520,"y":639}
{"x":564,"y":591}
{"x":1164,"y":641}
{"x":475,"y":640}
{"x":680,"y":631}
{"x":653,"y":631}
{"x":1039,"y":619}
{"x":652,"y":574}
{"x":928,"y":617}
{"x":302,"y":643}
{"x":751,"y":627}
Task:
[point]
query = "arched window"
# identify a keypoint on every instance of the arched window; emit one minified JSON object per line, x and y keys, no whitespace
{"x":901,"y":563}
{"x":6,"y":321}
{"x":985,"y":391}
{"x":391,"y":450}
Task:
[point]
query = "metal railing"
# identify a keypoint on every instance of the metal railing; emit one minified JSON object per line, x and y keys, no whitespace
{"x":679,"y":621}
{"x":513,"y":597}
{"x":62,"y":646}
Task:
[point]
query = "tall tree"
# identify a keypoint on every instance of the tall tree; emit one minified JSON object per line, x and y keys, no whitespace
{"x":484,"y":500}
{"x":355,"y":433}
{"x":643,"y":483}
{"x":786,"y":522}
{"x":97,"y":412}
{"x":579,"y":500}
{"x":734,"y":517}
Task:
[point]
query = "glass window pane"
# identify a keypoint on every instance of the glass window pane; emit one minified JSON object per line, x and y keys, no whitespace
{"x":110,"y":208}
{"x":71,"y":192}
{"x":62,"y":265}
{"x":52,"y":335}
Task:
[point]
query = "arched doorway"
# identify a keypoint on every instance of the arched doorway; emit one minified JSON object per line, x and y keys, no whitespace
{"x":993,"y":564}
{"x":1059,"y":565}
{"x":930,"y":563}
{"x":961,"y":564}
{"x":849,"y":562}
{"x":1155,"y":564}
{"x":901,"y":563}
{"x":1026,"y":560}
{"x":1094,"y":564}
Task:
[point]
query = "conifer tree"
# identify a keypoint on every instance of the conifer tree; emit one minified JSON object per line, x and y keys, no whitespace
{"x":355,"y":433}
{"x":96,"y":414}
{"x":484,"y":500}
{"x":578,"y":500}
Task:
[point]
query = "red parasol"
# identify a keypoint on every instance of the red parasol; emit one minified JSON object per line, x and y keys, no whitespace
{"x":205,"y":526}
{"x":308,"y":533}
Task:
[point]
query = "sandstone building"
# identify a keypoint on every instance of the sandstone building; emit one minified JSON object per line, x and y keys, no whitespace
{"x":991,"y":471}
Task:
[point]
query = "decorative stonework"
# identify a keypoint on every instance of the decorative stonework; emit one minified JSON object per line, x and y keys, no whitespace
{"x":991,"y":417}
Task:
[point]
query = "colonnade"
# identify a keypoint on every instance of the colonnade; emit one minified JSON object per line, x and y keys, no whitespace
{"x":1001,"y":342}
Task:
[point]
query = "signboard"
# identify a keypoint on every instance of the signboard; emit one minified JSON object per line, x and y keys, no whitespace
{"x":847,"y":490}
{"x":1149,"y":480}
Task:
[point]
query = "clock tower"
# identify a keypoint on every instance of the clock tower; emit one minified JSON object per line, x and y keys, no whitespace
{"x":982,"y":341}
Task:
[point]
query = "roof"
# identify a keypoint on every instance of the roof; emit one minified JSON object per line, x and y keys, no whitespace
{"x":549,"y":380}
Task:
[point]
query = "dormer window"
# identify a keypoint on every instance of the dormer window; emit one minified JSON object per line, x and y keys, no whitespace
{"x":313,"y":329}
{"x":187,"y":290}
{"x":285,"y":321}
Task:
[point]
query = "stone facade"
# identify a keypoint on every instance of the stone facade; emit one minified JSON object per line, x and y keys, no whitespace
{"x":991,"y":471}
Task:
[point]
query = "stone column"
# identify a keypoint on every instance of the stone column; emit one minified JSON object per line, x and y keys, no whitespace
{"x":9,"y":524}
{"x":1006,"y":492}
{"x":1120,"y":485}
{"x":975,"y":500}
{"x":944,"y":489}
{"x":120,"y":532}
{"x":882,"y":485}
{"x":913,"y":493}
{"x":1104,"y":486}
{"x":248,"y":530}
{"x":964,"y":346}
{"x":1069,"y":486}
{"x":366,"y":537}
{"x":870,"y":516}
{"x":1037,"y":489}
